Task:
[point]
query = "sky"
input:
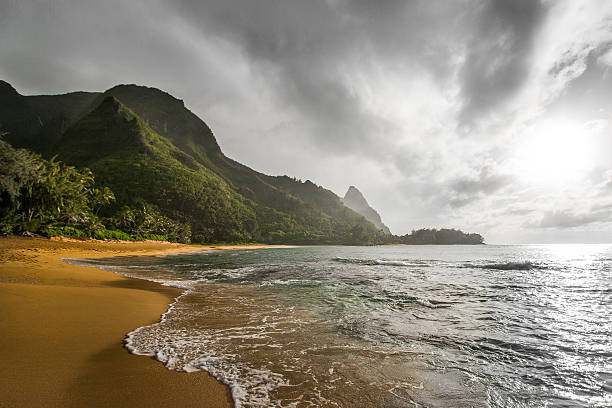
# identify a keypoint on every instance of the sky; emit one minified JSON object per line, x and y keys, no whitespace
{"x":488,"y":116}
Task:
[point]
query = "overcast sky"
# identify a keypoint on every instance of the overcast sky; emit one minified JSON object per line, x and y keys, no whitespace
{"x":489,"y":116}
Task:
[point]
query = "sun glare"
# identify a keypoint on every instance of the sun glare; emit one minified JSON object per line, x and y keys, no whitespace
{"x":555,"y":152}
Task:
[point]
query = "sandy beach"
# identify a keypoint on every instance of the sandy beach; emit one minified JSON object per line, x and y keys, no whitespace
{"x":63,"y":325}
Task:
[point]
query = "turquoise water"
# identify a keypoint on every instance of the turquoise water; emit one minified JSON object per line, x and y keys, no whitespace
{"x":434,"y":326}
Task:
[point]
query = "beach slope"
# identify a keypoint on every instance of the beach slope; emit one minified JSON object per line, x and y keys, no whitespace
{"x":63,"y":325}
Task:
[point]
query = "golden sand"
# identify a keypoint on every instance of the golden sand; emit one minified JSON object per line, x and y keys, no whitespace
{"x":62,"y":327}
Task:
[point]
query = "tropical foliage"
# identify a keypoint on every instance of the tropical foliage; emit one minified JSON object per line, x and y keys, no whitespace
{"x":51,"y":198}
{"x":36,"y":194}
{"x":440,"y":237}
{"x":159,"y":174}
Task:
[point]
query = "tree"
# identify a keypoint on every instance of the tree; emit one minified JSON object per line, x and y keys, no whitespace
{"x":37,"y":193}
{"x":61,"y":194}
{"x":101,"y":197}
{"x":19,"y":167}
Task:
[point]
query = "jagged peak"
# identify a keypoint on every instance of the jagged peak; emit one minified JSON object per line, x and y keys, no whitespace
{"x":355,"y":200}
{"x":354,"y":193}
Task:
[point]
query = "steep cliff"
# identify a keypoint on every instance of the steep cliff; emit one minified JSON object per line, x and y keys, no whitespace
{"x":354,"y":200}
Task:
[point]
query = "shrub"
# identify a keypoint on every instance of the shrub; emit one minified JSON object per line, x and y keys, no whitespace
{"x":114,"y":235}
{"x":67,"y":231}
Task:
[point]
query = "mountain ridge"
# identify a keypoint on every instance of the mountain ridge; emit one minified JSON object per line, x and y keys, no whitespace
{"x":147,"y":146}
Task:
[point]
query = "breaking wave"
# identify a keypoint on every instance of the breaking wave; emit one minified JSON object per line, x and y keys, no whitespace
{"x":382,"y":262}
{"x":509,"y":266}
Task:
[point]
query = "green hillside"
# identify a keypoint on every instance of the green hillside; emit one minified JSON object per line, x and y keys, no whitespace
{"x":169,"y":117}
{"x":140,"y":166}
{"x":151,"y":151}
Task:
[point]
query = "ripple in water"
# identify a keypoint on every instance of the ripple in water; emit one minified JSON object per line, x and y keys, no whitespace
{"x":496,"y":326}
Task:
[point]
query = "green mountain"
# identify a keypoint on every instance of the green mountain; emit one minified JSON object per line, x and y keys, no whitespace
{"x":37,"y":122}
{"x":354,"y":200}
{"x":151,"y":150}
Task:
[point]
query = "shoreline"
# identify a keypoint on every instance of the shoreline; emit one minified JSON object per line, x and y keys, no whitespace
{"x":64,"y":327}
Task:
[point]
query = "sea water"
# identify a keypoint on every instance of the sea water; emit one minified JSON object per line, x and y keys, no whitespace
{"x":389,"y":326}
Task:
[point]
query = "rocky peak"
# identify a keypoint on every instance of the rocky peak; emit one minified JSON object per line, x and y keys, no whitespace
{"x":354,"y":200}
{"x":354,"y":196}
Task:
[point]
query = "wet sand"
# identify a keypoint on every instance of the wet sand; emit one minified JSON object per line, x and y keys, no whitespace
{"x":62,"y":328}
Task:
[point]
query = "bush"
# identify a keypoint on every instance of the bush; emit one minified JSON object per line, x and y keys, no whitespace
{"x":67,"y":231}
{"x":147,"y":222}
{"x":155,"y":237}
{"x":114,"y":235}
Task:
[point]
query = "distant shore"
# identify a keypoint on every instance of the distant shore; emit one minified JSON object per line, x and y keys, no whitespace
{"x":63,"y":325}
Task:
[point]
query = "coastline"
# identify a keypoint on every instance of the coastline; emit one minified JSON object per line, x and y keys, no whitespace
{"x":63,"y":327}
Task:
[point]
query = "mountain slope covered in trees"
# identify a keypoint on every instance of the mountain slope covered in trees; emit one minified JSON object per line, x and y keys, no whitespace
{"x":151,"y":151}
{"x":142,"y":165}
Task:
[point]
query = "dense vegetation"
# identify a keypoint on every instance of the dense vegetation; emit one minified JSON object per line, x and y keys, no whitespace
{"x":51,"y":198}
{"x":138,"y":164}
{"x":439,"y":237}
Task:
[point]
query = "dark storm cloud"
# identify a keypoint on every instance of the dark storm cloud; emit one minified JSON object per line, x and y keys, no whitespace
{"x":307,"y":49}
{"x":498,"y":58}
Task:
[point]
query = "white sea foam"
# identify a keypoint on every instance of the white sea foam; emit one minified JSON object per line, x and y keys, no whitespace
{"x":250,"y":387}
{"x":286,"y":282}
{"x":384,"y":262}
{"x":430,"y":305}
{"x":129,"y":340}
{"x":180,"y":284}
{"x":183,"y":347}
{"x":393,"y":263}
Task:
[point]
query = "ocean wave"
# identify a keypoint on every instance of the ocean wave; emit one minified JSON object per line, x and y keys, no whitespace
{"x":249,"y":386}
{"x":508,"y":266}
{"x":383,"y":262}
{"x":287,"y":282}
{"x":399,"y":298}
{"x":180,"y":284}
{"x":433,"y":304}
{"x":130,"y":339}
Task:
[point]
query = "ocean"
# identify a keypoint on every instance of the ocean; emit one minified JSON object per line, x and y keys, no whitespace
{"x":388,"y":326}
